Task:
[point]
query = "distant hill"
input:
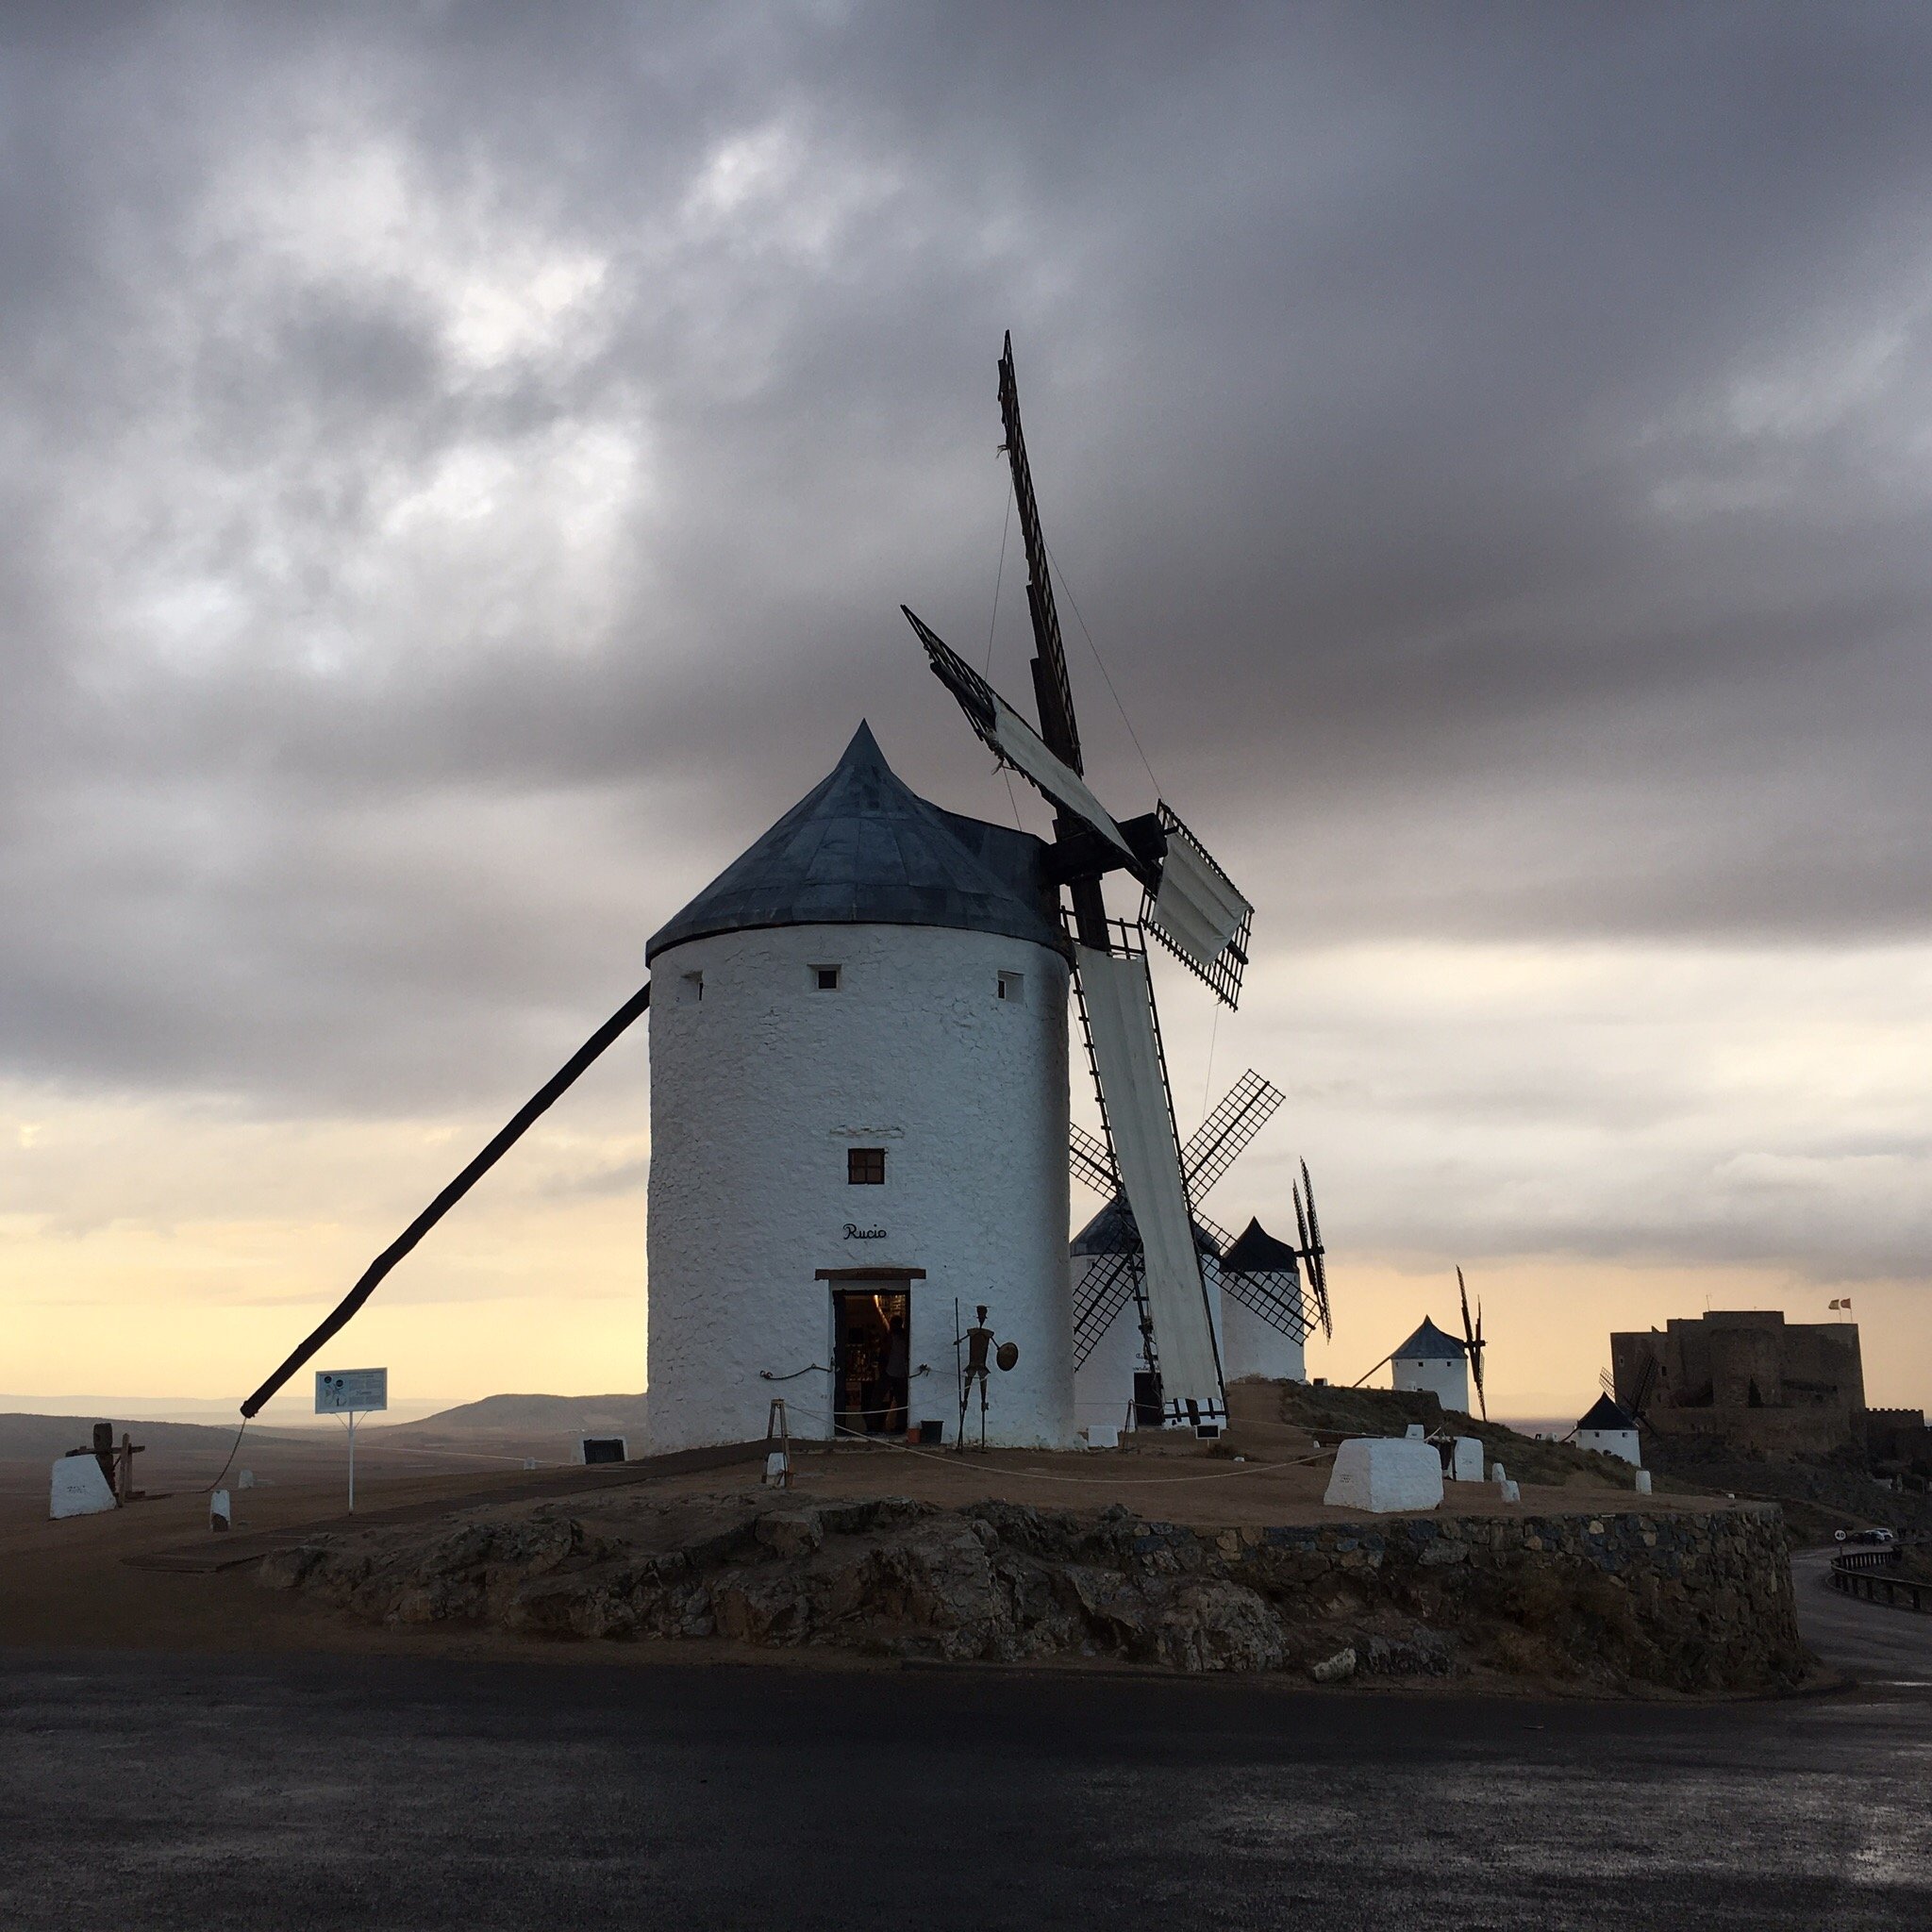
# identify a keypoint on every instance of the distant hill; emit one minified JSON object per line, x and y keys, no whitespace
{"x":537,"y":1415}
{"x":545,"y":1425}
{"x":44,"y":1437}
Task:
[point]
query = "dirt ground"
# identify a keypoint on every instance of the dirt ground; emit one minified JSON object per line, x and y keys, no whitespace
{"x":84,"y":1581}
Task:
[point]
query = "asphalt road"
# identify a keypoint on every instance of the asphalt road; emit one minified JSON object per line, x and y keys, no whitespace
{"x":152,"y":1791}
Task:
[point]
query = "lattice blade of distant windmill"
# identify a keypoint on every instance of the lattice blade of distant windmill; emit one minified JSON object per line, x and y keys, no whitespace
{"x":1265,"y":1304}
{"x":1313,"y":1253}
{"x":1217,"y":1143}
{"x":1211,"y":1150}
{"x":1646,"y":1387}
{"x":1090,"y":1162}
{"x":1472,"y":1338}
{"x":1106,"y":1288}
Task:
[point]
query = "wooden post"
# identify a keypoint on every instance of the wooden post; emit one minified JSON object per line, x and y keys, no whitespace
{"x":123,"y":1464}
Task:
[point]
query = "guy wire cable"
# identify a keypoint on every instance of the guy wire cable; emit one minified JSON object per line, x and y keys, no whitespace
{"x":232,"y":1447}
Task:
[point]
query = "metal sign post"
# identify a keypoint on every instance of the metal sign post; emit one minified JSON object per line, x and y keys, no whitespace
{"x":350,"y":1392}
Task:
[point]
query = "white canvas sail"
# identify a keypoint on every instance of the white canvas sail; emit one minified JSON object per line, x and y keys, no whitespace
{"x":1120,"y":1013}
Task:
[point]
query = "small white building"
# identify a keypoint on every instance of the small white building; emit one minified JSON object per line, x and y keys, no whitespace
{"x":858,"y":1124}
{"x":1612,"y":1429}
{"x":1437,"y":1362}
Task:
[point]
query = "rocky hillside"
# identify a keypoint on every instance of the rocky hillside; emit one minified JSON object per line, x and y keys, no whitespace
{"x":1332,"y":1413}
{"x":1660,"y":1602}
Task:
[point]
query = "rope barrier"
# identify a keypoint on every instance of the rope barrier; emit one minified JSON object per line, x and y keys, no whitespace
{"x":1041,"y":1476}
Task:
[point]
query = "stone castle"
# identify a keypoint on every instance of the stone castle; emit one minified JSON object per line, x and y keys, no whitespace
{"x":1747,"y":1376}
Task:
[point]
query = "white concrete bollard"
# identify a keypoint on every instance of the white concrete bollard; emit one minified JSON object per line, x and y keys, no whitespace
{"x":1379,"y":1474}
{"x":248,"y":1479}
{"x":1415,"y":1433}
{"x":1510,"y":1492}
{"x":1641,"y":1480}
{"x":219,"y":1514}
{"x":1102,"y":1435}
{"x":1498,"y":1474}
{"x":79,"y":1488}
{"x":1466,"y":1462}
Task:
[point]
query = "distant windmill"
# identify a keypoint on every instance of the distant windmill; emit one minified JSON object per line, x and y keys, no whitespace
{"x":1120,"y":1275}
{"x":1472,"y":1338}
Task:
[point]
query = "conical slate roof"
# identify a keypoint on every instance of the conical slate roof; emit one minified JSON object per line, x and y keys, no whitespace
{"x":1608,"y":1415}
{"x":1256,"y":1252}
{"x":1429,"y":1344}
{"x":862,"y":849}
{"x":1112,"y":1232}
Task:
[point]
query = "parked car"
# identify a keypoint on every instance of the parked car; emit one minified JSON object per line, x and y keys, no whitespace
{"x":1866,"y":1536}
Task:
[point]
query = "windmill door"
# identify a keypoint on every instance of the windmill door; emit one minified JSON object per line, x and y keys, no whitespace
{"x":871,"y":1357}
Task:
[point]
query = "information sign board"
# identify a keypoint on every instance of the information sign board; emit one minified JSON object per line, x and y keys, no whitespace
{"x":342,"y":1392}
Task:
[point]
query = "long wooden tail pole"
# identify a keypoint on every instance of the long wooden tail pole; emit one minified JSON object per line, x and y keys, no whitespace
{"x":520,"y":1123}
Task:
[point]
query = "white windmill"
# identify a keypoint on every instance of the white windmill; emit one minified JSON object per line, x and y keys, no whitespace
{"x":859,"y":1096}
{"x":1190,"y":905}
{"x":1267,"y":1295}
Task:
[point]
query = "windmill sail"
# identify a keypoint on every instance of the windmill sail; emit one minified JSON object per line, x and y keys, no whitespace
{"x":1133,"y":1087}
{"x":1051,"y":690}
{"x":1198,"y":914}
{"x":1015,"y":742}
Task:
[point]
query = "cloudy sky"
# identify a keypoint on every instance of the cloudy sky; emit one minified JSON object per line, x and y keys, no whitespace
{"x":460,"y":467}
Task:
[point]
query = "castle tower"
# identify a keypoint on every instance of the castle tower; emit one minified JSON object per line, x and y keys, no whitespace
{"x":858,"y":1116}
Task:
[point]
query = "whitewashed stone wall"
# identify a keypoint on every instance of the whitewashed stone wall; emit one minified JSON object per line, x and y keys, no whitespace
{"x":1250,"y":1346}
{"x":1621,"y":1443}
{"x":1447,"y":1381}
{"x":757,"y":1090}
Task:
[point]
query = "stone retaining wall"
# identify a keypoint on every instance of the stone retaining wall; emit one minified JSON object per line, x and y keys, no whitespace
{"x":1628,"y":1602}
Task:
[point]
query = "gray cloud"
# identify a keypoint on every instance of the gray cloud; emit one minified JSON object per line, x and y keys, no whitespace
{"x":461,"y":466}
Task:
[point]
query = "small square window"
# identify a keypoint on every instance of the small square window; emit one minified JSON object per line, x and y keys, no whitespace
{"x":1012,"y":986}
{"x":865,"y":1167}
{"x":825,"y":978}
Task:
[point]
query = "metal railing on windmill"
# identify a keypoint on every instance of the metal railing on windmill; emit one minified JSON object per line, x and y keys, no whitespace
{"x":1190,"y":905}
